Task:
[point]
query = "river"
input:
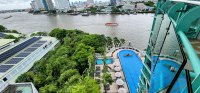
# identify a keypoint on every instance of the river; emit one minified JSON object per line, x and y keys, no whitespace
{"x":133,"y":28}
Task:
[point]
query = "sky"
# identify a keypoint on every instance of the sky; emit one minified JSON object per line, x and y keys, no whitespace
{"x":20,"y":4}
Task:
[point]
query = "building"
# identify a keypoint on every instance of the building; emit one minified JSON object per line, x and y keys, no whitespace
{"x":141,"y":7}
{"x":62,"y":4}
{"x":6,"y":43}
{"x":20,"y":88}
{"x":39,"y":4}
{"x":48,"y":5}
{"x":172,"y":58}
{"x":2,"y":35}
{"x":34,"y":6}
{"x":119,"y":2}
{"x":113,"y":2}
{"x":90,"y":2}
{"x":18,"y":58}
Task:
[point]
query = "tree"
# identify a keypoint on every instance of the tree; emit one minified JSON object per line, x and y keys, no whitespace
{"x":122,"y":41}
{"x":115,"y":10}
{"x":116,"y":41}
{"x":149,"y":3}
{"x":67,"y":74}
{"x":85,"y":85}
{"x":58,"y":33}
{"x":61,"y":70}
{"x":12,"y":37}
{"x":53,"y":69}
{"x":109,"y":42}
{"x":51,"y":88}
{"x":39,"y":34}
{"x":14,"y":31}
{"x":107,"y":78}
{"x":91,"y":40}
{"x":26,"y":77}
{"x":2,"y":28}
{"x":74,"y":79}
{"x":81,"y":56}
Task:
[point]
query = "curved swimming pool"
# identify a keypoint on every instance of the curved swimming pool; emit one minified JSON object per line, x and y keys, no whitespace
{"x":131,"y":66}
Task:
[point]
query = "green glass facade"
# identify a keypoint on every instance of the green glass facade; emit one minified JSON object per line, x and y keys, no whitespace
{"x":169,"y":49}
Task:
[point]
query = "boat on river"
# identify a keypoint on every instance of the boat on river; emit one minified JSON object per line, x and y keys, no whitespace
{"x":85,"y":14}
{"x":75,"y":13}
{"x":111,"y":24}
{"x":8,"y":17}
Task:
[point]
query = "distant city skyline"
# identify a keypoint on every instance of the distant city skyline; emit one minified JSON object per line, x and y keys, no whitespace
{"x":22,"y":4}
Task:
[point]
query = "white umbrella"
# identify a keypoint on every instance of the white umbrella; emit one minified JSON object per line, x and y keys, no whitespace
{"x":119,"y":82}
{"x":122,"y":90}
{"x":118,"y":74}
{"x":117,"y":68}
{"x":116,"y":63}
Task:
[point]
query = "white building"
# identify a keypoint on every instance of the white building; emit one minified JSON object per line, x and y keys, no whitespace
{"x":17,"y":63}
{"x":62,"y":4}
{"x":141,"y":6}
{"x":34,"y":6}
{"x":50,"y":4}
{"x":129,"y":7}
{"x":39,"y":4}
{"x":119,"y":2}
{"x":90,"y":2}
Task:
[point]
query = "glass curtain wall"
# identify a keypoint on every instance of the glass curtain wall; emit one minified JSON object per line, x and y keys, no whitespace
{"x":166,"y":57}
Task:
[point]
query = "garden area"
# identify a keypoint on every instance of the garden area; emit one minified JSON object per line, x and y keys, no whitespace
{"x":69,"y":68}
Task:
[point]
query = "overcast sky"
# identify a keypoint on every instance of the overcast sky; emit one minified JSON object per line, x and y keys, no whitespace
{"x":20,"y":4}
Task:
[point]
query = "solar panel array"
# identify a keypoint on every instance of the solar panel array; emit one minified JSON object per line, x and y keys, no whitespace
{"x":10,"y":63}
{"x":18,"y":48}
{"x":2,"y":34}
{"x":4,"y":68}
{"x":36,"y":45}
{"x":41,"y":41}
{"x":14,"y":61}
{"x":30,"y":50}
{"x":23,"y":54}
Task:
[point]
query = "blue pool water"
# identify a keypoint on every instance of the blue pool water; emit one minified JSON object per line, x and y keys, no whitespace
{"x":100,"y":61}
{"x":131,"y":66}
{"x":162,"y":77}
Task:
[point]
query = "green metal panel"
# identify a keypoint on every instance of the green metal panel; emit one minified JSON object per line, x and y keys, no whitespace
{"x":173,"y":10}
{"x":194,"y":60}
{"x":197,"y":31}
{"x":165,"y":5}
{"x":184,"y":23}
{"x":198,"y":90}
{"x":196,"y":84}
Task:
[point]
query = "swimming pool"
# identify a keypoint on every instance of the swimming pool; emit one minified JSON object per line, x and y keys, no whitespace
{"x":131,"y":66}
{"x":162,"y":77}
{"x":99,"y":61}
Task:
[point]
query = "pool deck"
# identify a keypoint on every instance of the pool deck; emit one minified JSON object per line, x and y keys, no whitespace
{"x":114,"y":86}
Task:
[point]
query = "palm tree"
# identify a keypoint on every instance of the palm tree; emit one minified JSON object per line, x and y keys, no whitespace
{"x":122,"y":41}
{"x":109,"y":42}
{"x":116,"y":41}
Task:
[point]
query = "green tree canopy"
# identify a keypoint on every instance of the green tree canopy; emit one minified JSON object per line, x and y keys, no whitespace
{"x":2,"y":28}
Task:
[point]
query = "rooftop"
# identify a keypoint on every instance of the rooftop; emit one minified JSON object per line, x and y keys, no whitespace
{"x":20,"y":57}
{"x":5,"y":41}
{"x":20,"y":88}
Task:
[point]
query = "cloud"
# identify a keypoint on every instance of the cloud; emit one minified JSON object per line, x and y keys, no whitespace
{"x":14,"y":4}
{"x":13,"y":1}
